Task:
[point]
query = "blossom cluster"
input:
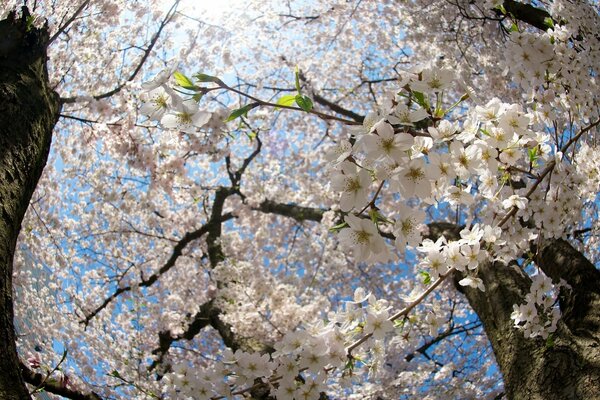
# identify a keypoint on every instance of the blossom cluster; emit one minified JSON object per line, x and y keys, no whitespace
{"x":449,"y":163}
{"x":539,"y":314}
{"x":302,"y":360}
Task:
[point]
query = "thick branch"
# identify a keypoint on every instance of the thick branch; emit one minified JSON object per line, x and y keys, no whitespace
{"x":177,"y":251}
{"x":38,"y":380}
{"x":580,"y":306}
{"x":337,"y":108}
{"x":527,"y":13}
{"x":299,"y":213}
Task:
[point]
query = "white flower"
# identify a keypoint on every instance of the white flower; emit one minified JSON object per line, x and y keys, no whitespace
{"x":156,"y":102}
{"x":404,"y":116}
{"x":443,"y":132}
{"x":473,"y":282}
{"x":384,"y":143}
{"x":251,"y":366}
{"x":441,"y":163}
{"x":491,"y":111}
{"x":459,"y":195}
{"x":434,"y":322}
{"x":515,"y":201}
{"x":429,"y":245}
{"x":407,"y":227}
{"x":378,"y":324}
{"x":433,"y":80}
{"x":467,"y":160}
{"x":435,"y":262}
{"x":513,"y":120}
{"x":314,"y":354}
{"x":368,"y":123}
{"x":185,"y":116}
{"x":473,"y":254}
{"x":511,"y":155}
{"x":454,"y":257}
{"x":414,"y":179}
{"x":161,"y":79}
{"x":363,"y":237}
{"x":339,"y":153}
{"x":353,"y":185}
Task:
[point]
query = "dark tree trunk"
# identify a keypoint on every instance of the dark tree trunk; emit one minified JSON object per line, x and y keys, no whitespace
{"x":29,"y":109}
{"x":532,"y":369}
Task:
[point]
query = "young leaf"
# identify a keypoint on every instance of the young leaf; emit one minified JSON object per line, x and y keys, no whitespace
{"x":338,"y":227}
{"x":533,"y":155}
{"x":426,"y":277}
{"x":184,"y":81}
{"x":297,"y":74}
{"x":421,"y":100}
{"x":287,"y":100}
{"x":304,"y":102}
{"x":240,"y":111}
{"x":207,"y":78}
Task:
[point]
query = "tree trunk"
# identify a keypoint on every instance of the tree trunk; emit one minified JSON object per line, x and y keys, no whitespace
{"x":29,"y":109}
{"x":532,"y":369}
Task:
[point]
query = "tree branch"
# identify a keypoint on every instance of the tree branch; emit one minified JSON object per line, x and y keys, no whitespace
{"x":177,"y":251}
{"x":299,"y":213}
{"x":39,"y":380}
{"x":527,"y":13}
{"x":147,"y":51}
{"x":580,"y":306}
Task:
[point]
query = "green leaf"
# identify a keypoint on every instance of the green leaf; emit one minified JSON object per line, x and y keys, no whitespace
{"x":207,"y":78}
{"x":533,"y":154}
{"x":514,"y":28}
{"x":549,"y":22}
{"x":184,"y":81}
{"x":197,"y":97}
{"x":252,"y":135}
{"x":297,"y":74}
{"x":426,"y":277}
{"x":240,"y":111}
{"x":287,"y":100}
{"x":501,"y":8}
{"x":304,"y":102}
{"x":338,"y":227}
{"x":421,"y":100}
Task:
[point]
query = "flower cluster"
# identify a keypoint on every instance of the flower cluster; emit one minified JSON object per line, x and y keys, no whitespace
{"x":162,"y":104}
{"x":539,"y":314}
{"x":303,"y":359}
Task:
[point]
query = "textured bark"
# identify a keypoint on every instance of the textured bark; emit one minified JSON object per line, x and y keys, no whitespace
{"x":532,"y":370}
{"x":29,"y":110}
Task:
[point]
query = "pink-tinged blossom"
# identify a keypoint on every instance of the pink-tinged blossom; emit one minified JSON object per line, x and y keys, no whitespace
{"x":353,"y":183}
{"x":362,"y":236}
{"x":383,"y":143}
{"x":408,"y":226}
